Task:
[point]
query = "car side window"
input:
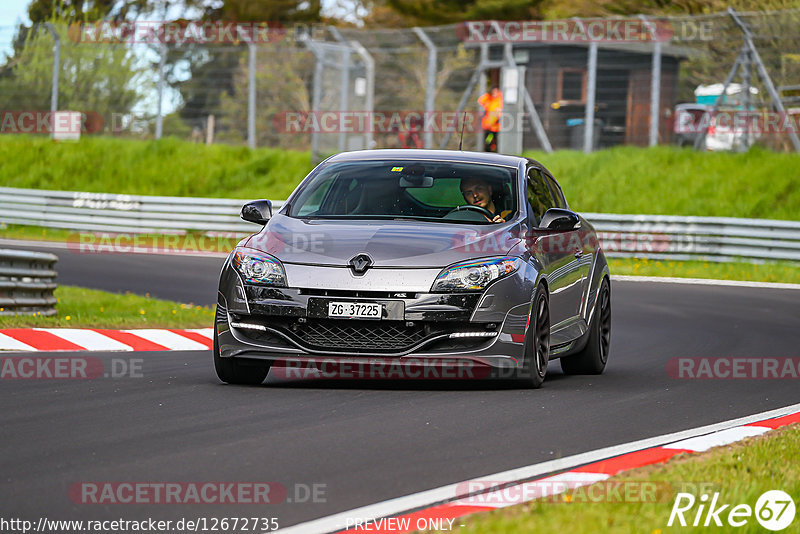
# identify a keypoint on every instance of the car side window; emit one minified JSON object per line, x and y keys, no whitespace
{"x":539,"y":197}
{"x":558,"y":195}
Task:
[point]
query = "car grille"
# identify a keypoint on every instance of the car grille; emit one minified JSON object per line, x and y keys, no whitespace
{"x":364,"y":336}
{"x":384,"y":336}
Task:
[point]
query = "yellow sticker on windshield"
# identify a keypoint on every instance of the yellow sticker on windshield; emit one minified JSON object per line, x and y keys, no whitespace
{"x":397,"y":169}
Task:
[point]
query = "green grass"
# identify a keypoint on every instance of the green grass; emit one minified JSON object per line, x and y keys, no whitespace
{"x":16,"y":231}
{"x":166,"y":167}
{"x":661,"y":180}
{"x":672,"y":181}
{"x":784,"y":272}
{"x":90,"y":308}
{"x":740,"y":473}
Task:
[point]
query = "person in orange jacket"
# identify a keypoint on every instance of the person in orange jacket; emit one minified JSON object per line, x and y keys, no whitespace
{"x":492,"y":104}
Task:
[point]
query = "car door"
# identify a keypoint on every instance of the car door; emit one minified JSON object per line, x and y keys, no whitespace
{"x":582,"y":242}
{"x":558,"y":253}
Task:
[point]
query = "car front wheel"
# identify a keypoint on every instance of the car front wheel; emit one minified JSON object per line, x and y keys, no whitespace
{"x":232,"y":371}
{"x":537,"y":342}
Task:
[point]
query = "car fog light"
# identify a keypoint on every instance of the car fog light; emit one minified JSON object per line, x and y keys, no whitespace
{"x":249,"y":326}
{"x":473,"y":334}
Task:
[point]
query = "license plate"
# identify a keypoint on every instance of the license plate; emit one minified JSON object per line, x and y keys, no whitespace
{"x":355,"y":310}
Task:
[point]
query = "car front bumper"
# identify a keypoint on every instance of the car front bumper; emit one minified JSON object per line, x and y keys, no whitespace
{"x":418,"y":328}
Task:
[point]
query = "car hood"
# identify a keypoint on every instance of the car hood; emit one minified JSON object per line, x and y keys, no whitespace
{"x":388,"y":243}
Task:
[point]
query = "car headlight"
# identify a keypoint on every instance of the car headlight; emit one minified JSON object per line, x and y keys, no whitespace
{"x":259,"y":268}
{"x":474,"y":275}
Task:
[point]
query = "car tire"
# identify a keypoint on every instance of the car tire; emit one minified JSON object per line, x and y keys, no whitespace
{"x":594,"y":356}
{"x":537,"y":342}
{"x":231,"y":371}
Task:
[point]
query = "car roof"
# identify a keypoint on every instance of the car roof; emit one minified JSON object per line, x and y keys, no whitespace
{"x":419,"y":154}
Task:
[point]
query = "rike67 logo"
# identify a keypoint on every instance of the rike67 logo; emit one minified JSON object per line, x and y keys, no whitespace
{"x":774,"y":510}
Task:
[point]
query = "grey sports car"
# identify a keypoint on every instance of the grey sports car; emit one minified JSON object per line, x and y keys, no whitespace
{"x":416,"y":262}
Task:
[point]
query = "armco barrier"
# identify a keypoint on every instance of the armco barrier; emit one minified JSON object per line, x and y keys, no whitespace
{"x":710,"y":238}
{"x":647,"y":236}
{"x":109,"y":212}
{"x":27,"y":282}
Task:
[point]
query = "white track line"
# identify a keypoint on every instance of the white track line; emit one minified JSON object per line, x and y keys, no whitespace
{"x":703,"y":443}
{"x":703,"y":281}
{"x":447,"y":493}
{"x":88,"y":339}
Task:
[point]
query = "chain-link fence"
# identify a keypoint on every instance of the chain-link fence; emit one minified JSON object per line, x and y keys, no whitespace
{"x":581,"y":84}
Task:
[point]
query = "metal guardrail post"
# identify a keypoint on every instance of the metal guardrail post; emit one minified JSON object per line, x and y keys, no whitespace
{"x":344,"y":83}
{"x":591,"y":85}
{"x":655,"y":84}
{"x":655,"y":94}
{"x":369,"y":63}
{"x":316,"y":98}
{"x":591,"y":88}
{"x":162,"y":61}
{"x":27,"y":282}
{"x":56,"y":69}
{"x":430,"y":82}
{"x":473,"y":81}
{"x":480,"y":135}
{"x":251,"y":95}
{"x":533,"y":115}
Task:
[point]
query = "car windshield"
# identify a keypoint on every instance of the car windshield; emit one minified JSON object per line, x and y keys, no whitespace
{"x":436,"y":191}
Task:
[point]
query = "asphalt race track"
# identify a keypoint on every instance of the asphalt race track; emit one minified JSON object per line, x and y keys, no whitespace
{"x":173,"y":277}
{"x":359,"y":441}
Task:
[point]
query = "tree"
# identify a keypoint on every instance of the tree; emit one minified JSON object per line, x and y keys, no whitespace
{"x":435,"y":12}
{"x":97,"y":78}
{"x":281,"y":75}
{"x":213,"y":68}
{"x":69,"y":11}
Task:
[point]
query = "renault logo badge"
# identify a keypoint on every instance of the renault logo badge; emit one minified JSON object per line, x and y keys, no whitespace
{"x":360,"y":263}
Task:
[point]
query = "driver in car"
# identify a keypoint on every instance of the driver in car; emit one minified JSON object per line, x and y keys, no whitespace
{"x":478,"y":192}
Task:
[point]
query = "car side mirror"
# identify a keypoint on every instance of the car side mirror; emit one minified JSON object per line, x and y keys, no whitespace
{"x":257,"y":211}
{"x":560,"y":220}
